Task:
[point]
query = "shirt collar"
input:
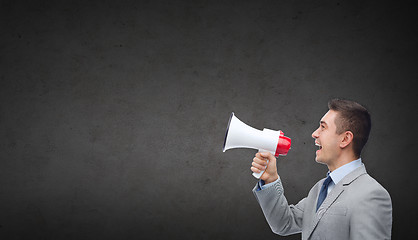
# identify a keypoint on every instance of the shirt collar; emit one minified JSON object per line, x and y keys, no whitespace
{"x":342,"y":171}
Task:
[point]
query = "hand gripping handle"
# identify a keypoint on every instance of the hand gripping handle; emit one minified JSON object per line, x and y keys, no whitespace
{"x":258,"y":175}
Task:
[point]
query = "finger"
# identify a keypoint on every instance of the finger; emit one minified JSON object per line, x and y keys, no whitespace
{"x":260,"y":161}
{"x":267,"y":155}
{"x":259,"y":166}
{"x":264,"y":154}
{"x":260,"y":156}
{"x":256,"y":170}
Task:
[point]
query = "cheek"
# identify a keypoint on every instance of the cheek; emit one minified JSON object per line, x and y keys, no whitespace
{"x":328,"y":141}
{"x":332,"y":143}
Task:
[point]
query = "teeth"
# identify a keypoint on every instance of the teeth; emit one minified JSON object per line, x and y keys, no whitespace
{"x":317,"y":144}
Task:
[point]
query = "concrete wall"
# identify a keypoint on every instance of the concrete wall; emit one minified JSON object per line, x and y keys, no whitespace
{"x":113,"y":113}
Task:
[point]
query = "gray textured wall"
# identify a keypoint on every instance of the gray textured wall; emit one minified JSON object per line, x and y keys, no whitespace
{"x":112,"y":115}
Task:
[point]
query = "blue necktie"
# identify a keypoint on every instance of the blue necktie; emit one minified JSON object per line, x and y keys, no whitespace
{"x":324,"y":192}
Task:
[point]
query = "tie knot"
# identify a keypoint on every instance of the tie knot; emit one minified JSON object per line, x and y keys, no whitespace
{"x":327,"y":180}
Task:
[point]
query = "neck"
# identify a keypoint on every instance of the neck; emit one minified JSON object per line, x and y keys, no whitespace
{"x":341,"y":161}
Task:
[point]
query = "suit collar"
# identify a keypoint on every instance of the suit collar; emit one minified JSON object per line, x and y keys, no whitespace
{"x":354,"y":175}
{"x":338,"y":174}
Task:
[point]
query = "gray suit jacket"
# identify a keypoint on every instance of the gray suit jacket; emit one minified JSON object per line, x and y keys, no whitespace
{"x":357,"y":208}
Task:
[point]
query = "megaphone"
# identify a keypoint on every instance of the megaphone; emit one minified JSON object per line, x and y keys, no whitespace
{"x":240,"y":135}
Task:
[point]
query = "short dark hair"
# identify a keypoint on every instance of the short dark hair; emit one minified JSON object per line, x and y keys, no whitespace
{"x":352,"y":116}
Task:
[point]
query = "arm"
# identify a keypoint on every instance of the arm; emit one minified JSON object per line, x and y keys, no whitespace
{"x":283,"y":219}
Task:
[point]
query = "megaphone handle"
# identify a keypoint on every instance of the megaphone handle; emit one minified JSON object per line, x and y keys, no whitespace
{"x":258,"y":175}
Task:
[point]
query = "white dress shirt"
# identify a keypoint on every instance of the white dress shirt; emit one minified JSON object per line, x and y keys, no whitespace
{"x":336,"y":175}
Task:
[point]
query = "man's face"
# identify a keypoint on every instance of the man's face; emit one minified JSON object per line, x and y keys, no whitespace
{"x":327,"y":139}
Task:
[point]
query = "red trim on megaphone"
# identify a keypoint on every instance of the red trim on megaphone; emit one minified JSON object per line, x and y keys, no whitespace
{"x":283,"y":146}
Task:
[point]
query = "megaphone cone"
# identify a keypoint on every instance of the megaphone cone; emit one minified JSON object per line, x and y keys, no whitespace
{"x":240,"y":135}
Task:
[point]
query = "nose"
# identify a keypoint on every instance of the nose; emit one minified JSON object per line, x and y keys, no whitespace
{"x":315,"y":134}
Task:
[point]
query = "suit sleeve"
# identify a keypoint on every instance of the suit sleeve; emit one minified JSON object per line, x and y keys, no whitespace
{"x":283,"y":219}
{"x":372,"y":217}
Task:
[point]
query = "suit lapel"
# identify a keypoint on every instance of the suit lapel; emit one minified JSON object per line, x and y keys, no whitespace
{"x":333,"y":196}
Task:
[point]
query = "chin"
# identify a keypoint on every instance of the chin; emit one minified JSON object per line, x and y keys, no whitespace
{"x":318,"y":160}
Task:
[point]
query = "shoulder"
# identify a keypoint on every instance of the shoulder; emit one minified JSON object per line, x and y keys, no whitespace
{"x":369,"y":187}
{"x":366,"y":195}
{"x":317,"y":185}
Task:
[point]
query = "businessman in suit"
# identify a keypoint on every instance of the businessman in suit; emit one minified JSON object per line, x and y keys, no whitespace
{"x":348,"y":203}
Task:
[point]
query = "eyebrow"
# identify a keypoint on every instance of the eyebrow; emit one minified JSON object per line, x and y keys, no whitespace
{"x":323,"y":122}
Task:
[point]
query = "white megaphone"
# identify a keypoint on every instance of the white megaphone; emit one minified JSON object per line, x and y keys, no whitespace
{"x":240,"y":135}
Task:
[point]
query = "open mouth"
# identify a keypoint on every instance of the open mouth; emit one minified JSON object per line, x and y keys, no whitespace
{"x":317,"y":144}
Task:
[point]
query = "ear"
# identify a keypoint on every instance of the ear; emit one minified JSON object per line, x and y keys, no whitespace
{"x":347,"y":138}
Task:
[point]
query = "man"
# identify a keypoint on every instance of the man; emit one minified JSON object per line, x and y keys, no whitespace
{"x":348,"y":204}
